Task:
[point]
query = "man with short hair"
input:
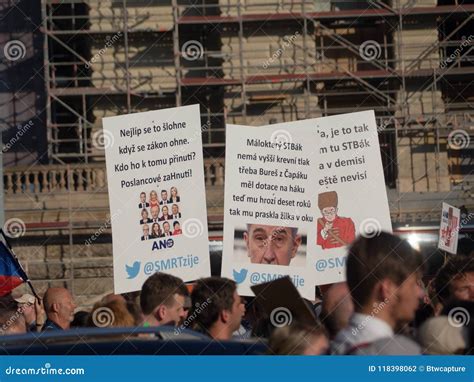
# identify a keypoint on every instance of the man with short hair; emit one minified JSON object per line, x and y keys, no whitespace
{"x":274,"y":245}
{"x":220,"y":307}
{"x":162,"y":300}
{"x":155,"y":210}
{"x":164,"y":197}
{"x":143,"y":203}
{"x":146,"y":232}
{"x":336,"y":309}
{"x":383,"y":274}
{"x":455,"y":280}
{"x":175,"y":211}
{"x":166,"y":229}
{"x":59,"y":306}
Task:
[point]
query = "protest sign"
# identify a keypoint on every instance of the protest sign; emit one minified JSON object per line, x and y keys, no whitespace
{"x":348,"y":194}
{"x":449,"y":229}
{"x":157,"y":196}
{"x":352,"y":198}
{"x":266,"y":209}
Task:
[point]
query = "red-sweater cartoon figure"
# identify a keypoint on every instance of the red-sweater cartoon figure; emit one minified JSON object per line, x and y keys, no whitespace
{"x":333,"y":230}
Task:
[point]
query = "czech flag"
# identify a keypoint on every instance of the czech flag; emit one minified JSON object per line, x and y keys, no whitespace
{"x":11,"y":273}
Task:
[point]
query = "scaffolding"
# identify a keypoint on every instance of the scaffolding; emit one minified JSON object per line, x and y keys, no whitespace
{"x":267,"y":61}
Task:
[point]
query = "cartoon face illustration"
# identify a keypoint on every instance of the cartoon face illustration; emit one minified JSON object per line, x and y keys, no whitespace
{"x":333,"y":231}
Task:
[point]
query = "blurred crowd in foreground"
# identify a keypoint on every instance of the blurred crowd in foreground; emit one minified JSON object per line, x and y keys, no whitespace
{"x":384,"y":308}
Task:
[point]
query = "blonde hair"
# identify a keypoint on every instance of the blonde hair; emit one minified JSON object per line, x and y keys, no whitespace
{"x":111,"y":314}
{"x":294,"y":339}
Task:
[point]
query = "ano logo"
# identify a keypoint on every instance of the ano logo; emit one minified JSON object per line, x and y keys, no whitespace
{"x":162,"y":244}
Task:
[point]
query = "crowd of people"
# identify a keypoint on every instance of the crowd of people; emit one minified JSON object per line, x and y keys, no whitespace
{"x":386,"y":307}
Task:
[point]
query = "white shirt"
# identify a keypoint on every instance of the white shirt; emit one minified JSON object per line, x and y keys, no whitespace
{"x":362,"y":329}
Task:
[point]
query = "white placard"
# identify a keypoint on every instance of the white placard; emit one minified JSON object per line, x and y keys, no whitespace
{"x":449,"y":228}
{"x":157,"y":195}
{"x":266,"y":210}
{"x":351,"y":197}
{"x":344,"y":190}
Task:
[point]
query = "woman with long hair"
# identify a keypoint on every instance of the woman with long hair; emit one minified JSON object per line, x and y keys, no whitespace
{"x":174,"y":195}
{"x":154,"y":199}
{"x":156,"y":231}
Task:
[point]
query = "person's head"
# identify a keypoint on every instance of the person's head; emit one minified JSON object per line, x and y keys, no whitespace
{"x":271,"y":244}
{"x":221,"y":308}
{"x":111,"y":314}
{"x":337,"y":308}
{"x":299,"y":339}
{"x":174,"y":192}
{"x":142,"y":197}
{"x":153,"y":195}
{"x":432,"y":298}
{"x":155,"y":210}
{"x":26,"y":305}
{"x":176,"y":225}
{"x":439,"y":336}
{"x":166,"y":227}
{"x":327,"y":203}
{"x":59,"y":306}
{"x":162,"y":299}
{"x":155,"y":229}
{"x":175,"y":209}
{"x":164,"y":195}
{"x":455,"y":280}
{"x":113,"y":297}
{"x":164,"y":210}
{"x":144,"y":214}
{"x":146,"y":229}
{"x":12,"y":321}
{"x":383,"y":274}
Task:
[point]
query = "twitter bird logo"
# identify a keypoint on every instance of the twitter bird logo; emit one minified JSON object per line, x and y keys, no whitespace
{"x":133,"y":270}
{"x":239,"y":277}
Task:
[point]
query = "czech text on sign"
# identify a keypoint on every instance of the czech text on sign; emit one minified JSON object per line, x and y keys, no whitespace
{"x":157,"y":195}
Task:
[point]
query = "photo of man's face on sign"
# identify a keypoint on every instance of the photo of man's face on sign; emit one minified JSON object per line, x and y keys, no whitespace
{"x":270,"y":245}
